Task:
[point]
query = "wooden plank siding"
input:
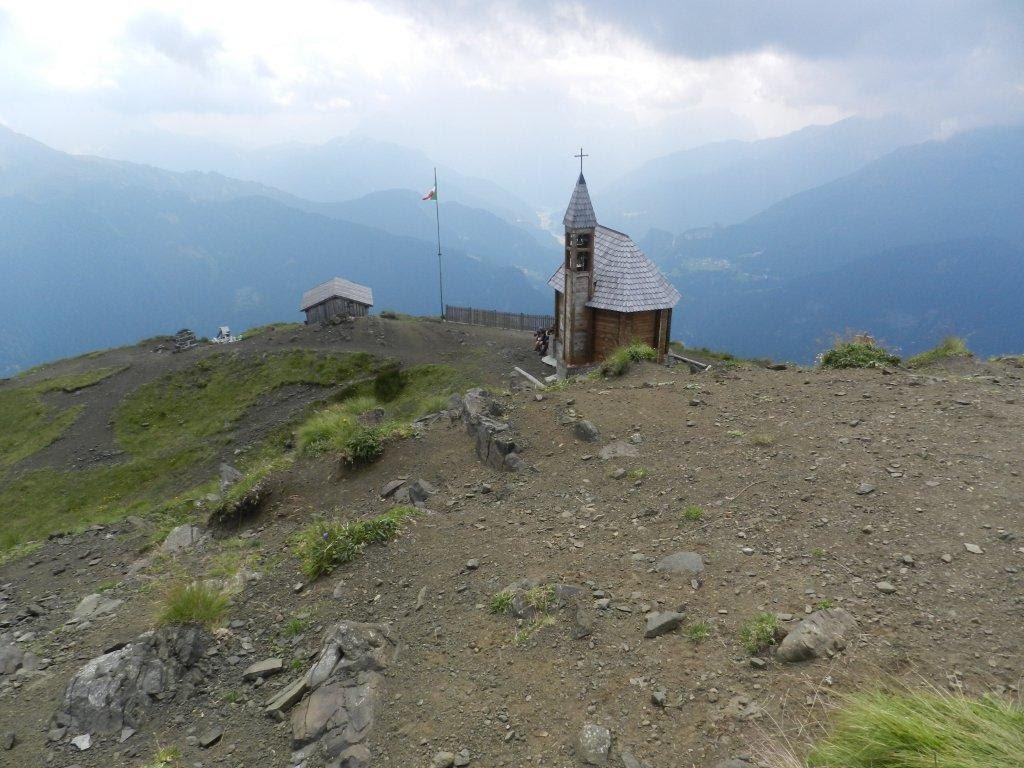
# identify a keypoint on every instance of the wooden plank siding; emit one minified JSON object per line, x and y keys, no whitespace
{"x":333,"y":307}
{"x":617,"y":329}
{"x":516,"y":321}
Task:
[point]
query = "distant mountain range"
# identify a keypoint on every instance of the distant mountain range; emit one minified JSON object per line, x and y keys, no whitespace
{"x":338,"y":170}
{"x":919,"y":226}
{"x":827,"y":229}
{"x":95,"y":253}
{"x":727,"y":182}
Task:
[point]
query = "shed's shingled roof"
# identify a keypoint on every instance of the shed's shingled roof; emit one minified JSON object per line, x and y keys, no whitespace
{"x":625,"y":280}
{"x":580,"y":213}
{"x":336,"y":287}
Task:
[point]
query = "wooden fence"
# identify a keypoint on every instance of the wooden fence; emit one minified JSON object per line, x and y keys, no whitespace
{"x":511,"y":320}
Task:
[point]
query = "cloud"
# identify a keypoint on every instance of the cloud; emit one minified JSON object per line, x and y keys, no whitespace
{"x":168,"y":36}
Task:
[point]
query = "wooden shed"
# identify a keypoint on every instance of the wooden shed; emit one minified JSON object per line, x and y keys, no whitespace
{"x":607,"y":292}
{"x":337,"y":297}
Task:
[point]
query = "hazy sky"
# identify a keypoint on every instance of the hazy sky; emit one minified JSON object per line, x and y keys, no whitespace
{"x":486,"y":86}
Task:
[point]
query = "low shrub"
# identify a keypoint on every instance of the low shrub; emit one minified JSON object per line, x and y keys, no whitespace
{"x":860,"y":352}
{"x":193,"y":603}
{"x":760,"y":632}
{"x":618,"y":362}
{"x":922,"y":729}
{"x":323,"y":545}
{"x":339,"y":432}
{"x":951,"y":346}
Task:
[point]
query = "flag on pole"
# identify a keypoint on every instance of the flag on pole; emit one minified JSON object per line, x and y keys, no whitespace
{"x":431,"y":194}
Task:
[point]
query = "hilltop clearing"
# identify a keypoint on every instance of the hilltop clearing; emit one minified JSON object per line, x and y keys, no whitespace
{"x":636,"y":576}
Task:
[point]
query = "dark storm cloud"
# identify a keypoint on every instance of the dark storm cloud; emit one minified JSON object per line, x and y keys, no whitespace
{"x":168,"y":36}
{"x":809,"y":28}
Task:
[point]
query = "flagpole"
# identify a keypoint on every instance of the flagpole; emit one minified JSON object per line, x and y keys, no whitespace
{"x":437,"y":217}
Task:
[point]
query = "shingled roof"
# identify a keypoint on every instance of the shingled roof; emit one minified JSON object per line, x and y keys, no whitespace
{"x":336,"y":287}
{"x":625,"y":280}
{"x":580,"y":213}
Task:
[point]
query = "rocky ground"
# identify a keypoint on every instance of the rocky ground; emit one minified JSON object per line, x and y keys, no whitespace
{"x":887,"y":505}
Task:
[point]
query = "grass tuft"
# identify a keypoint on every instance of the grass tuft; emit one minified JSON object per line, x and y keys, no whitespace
{"x":951,"y":346}
{"x":762,"y":439}
{"x":165,"y":757}
{"x":698,"y":632}
{"x":618,"y":362}
{"x":323,"y":545}
{"x":501,"y":602}
{"x":922,"y":729}
{"x":693,"y":513}
{"x":193,"y":603}
{"x":861,"y":351}
{"x":759,"y":633}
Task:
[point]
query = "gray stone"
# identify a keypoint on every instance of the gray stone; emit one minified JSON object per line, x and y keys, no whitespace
{"x":264,"y":668}
{"x":210,"y":737}
{"x":586,"y":431}
{"x":11,"y":658}
{"x":494,"y":444}
{"x":629,"y":761}
{"x":7,"y":740}
{"x":82,"y":742}
{"x":822,"y":633}
{"x":865,"y":488}
{"x":389,"y":488}
{"x":185,"y":537}
{"x":119,"y":688}
{"x":356,"y":756}
{"x":343,"y":685}
{"x":885,"y":587}
{"x":974,"y":549}
{"x":229,"y":476}
{"x":619,"y":449}
{"x":595,"y":742}
{"x":443,"y":760}
{"x":286,"y":698}
{"x":681,"y":564}
{"x":661,"y":623}
{"x":94,"y":606}
{"x":618,"y":473}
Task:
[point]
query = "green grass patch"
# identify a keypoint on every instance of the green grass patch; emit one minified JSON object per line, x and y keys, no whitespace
{"x":693,"y":513}
{"x":165,"y":757}
{"x":173,"y":428}
{"x":501,"y":602}
{"x":759,"y":633}
{"x":296,"y":626}
{"x":28,"y":424}
{"x":922,"y":729}
{"x":698,"y":632}
{"x":951,"y":346}
{"x":619,"y":361}
{"x":323,"y":545}
{"x":408,"y":395}
{"x":259,"y":330}
{"x":193,"y":603}
{"x":762,"y":439}
{"x":861,"y":352}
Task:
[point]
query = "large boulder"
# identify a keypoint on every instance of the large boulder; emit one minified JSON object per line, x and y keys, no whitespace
{"x":117,"y":690}
{"x":822,"y":633}
{"x":342,"y":692}
{"x":93,"y":606}
{"x":495,"y":444}
{"x":183,"y":538}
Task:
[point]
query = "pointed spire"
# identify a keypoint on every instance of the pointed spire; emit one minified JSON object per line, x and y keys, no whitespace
{"x":580,"y":213}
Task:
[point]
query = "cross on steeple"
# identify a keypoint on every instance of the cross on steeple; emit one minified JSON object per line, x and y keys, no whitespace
{"x":581,"y":156}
